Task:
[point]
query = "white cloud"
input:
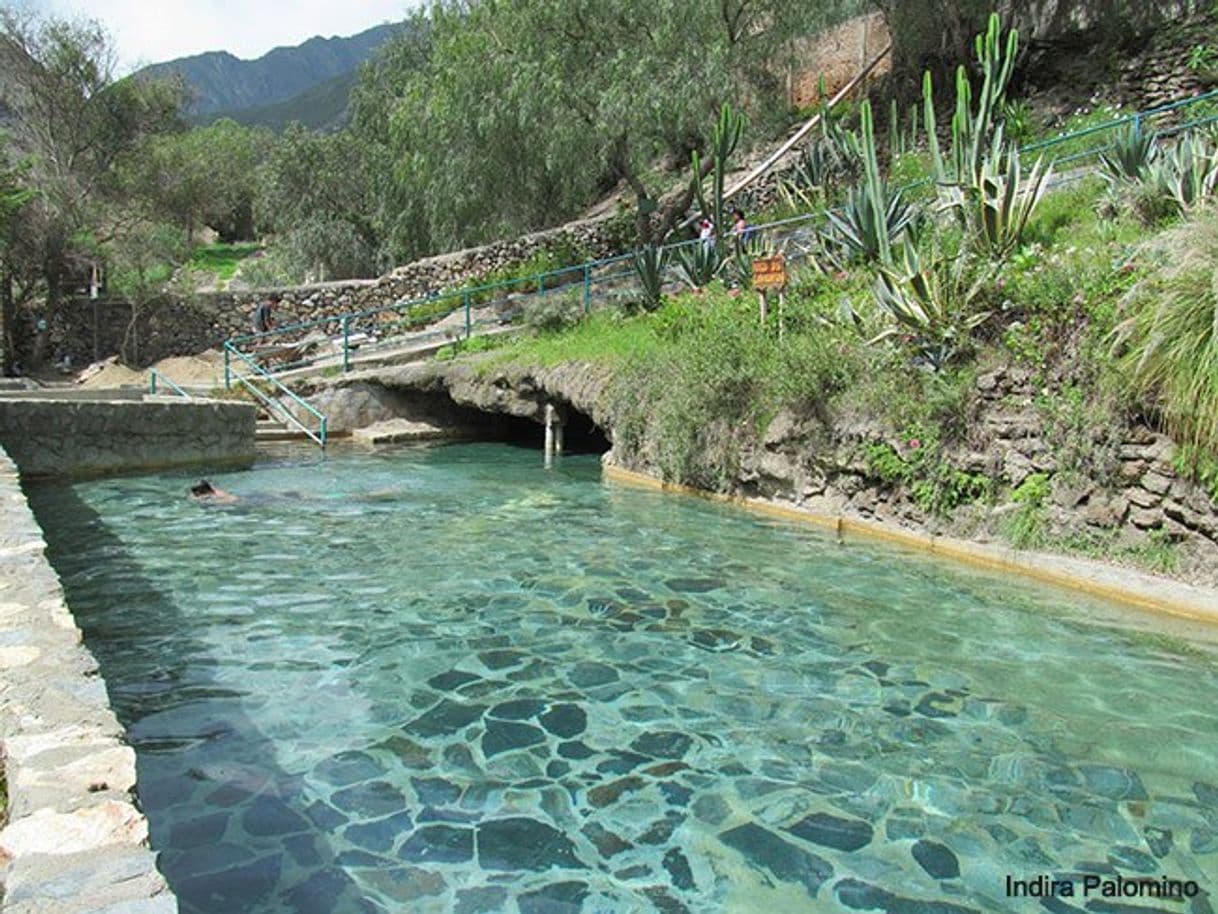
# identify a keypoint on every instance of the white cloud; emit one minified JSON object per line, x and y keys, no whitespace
{"x":148,"y":31}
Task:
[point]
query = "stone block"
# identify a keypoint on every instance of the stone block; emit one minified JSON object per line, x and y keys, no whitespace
{"x":48,"y":832}
{"x":1105,"y":511}
{"x":1155,"y":482}
{"x":1016,"y":467}
{"x":1140,"y":498}
{"x":61,"y":778}
{"x":103,"y":880}
{"x":1146,"y":519}
{"x":1071,"y":494}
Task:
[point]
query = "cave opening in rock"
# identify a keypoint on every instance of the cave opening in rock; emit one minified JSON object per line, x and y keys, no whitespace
{"x":581,"y":435}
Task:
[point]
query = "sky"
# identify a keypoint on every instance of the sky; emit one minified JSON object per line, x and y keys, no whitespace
{"x":151,"y":31}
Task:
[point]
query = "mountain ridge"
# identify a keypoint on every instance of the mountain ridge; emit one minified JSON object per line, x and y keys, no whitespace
{"x":220,"y":83}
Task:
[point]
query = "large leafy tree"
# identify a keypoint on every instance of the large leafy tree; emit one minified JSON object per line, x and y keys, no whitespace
{"x":203,"y":177}
{"x":317,"y":195}
{"x":74,"y":124}
{"x":507,"y":116}
{"x":14,"y":195}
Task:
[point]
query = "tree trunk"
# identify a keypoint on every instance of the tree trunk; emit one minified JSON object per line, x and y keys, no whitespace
{"x":8,"y":316}
{"x":130,"y":349}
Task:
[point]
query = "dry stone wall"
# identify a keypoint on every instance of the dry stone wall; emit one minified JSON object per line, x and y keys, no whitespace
{"x":86,"y":332}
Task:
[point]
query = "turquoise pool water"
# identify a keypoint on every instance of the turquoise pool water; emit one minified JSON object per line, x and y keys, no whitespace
{"x":446,"y":679}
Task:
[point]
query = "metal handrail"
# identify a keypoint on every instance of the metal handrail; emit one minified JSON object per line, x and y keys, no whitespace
{"x":154,"y":376}
{"x":270,"y":402}
{"x":545,"y":282}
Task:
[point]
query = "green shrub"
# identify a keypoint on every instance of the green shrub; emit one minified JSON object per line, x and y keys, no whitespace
{"x":1167,"y":346}
{"x":554,"y":312}
{"x":934,"y":303}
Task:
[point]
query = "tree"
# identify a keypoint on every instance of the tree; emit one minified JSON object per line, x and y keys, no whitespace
{"x":317,"y":194}
{"x":14,"y":195}
{"x":74,"y":124}
{"x":205,"y":176}
{"x":514,"y":116}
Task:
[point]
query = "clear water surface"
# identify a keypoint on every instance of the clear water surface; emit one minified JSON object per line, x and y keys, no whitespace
{"x":445,"y":679}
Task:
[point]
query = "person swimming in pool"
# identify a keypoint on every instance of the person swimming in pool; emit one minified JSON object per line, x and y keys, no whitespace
{"x":205,"y":493}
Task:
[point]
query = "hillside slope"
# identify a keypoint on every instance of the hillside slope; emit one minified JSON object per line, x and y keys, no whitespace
{"x":219,"y":82}
{"x":323,"y":107}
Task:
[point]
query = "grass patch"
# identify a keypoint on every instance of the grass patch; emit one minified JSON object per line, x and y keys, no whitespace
{"x":222,"y":259}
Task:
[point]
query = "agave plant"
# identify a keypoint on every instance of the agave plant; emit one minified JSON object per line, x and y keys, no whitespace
{"x":744,"y":252}
{"x":874,"y":217}
{"x":1131,"y":155}
{"x":932,"y":303}
{"x":1187,"y":173}
{"x":870,"y":222}
{"x":996,"y":203}
{"x":698,"y":264}
{"x":650,"y":262}
{"x":816,"y":169}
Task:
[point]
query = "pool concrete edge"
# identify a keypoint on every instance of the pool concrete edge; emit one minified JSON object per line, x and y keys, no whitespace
{"x":49,"y":435}
{"x":75,"y":840}
{"x":1121,"y":585}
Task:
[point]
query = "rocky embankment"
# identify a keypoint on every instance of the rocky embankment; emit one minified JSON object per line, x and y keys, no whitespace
{"x":821,"y":464}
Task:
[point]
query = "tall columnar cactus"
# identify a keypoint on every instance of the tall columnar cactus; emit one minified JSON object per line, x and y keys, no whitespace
{"x":932,"y":129}
{"x":973,"y":128}
{"x":875,"y":188}
{"x":874,"y":217}
{"x":724,"y":139}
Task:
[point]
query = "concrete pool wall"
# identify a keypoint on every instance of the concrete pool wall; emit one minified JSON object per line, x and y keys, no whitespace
{"x":46,"y":434}
{"x":74,"y":838}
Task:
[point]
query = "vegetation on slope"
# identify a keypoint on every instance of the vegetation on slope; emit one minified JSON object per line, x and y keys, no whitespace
{"x":1102,"y":292}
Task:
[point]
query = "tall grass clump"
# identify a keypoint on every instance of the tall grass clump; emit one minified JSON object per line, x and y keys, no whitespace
{"x":1167,"y":346}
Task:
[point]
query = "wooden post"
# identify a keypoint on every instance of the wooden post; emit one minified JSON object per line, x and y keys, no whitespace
{"x":762,"y":303}
{"x":782,"y":296}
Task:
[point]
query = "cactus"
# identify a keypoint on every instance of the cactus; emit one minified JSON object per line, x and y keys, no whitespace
{"x":650,"y":262}
{"x":938,"y":164}
{"x":725,"y":137}
{"x":972,"y":130}
{"x":874,"y":216}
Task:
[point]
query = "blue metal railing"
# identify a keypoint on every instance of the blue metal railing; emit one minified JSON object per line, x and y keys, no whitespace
{"x":273,"y":404}
{"x":155,"y":376}
{"x":337,"y":335}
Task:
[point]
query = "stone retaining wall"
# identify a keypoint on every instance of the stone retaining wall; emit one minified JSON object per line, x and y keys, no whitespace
{"x":75,"y":840}
{"x":49,"y":437}
{"x":86,"y":331}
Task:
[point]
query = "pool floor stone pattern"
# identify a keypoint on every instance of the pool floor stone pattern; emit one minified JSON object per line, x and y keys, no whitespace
{"x":564,"y":787}
{"x":74,"y":840}
{"x":580,"y":730}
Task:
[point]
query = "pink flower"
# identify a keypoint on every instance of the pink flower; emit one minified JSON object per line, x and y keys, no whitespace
{"x":914,"y":444}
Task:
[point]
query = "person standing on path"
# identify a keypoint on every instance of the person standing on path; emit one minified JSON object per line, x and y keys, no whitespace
{"x":264,"y":320}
